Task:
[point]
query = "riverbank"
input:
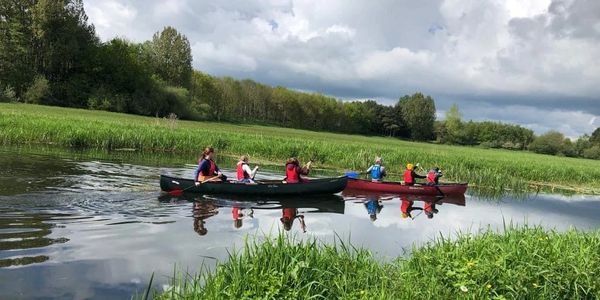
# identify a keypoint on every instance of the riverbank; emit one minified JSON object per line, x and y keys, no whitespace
{"x":497,"y":170}
{"x":524,"y":263}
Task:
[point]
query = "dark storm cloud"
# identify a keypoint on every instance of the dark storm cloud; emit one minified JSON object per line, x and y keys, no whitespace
{"x":541,"y":55}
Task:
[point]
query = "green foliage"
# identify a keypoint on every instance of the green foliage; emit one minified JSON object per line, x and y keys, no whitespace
{"x":595,"y":137}
{"x":552,"y":142}
{"x":485,"y":134}
{"x":523,"y":263}
{"x":418,"y":111}
{"x":171,"y":57}
{"x":592,"y":152}
{"x":485,"y":169}
{"x":7,"y":94}
{"x":38,"y":91}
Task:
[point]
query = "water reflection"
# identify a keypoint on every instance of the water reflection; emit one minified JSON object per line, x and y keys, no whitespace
{"x":84,"y":228}
{"x":411,"y":206}
{"x":22,"y":233}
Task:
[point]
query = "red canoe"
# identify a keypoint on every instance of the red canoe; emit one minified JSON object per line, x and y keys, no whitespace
{"x":399,"y":188}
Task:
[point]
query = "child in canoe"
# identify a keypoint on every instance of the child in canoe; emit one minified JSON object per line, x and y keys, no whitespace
{"x":207,"y":168}
{"x":377,"y":171}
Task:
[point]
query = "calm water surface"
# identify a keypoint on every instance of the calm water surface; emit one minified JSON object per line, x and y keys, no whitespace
{"x":91,"y":228}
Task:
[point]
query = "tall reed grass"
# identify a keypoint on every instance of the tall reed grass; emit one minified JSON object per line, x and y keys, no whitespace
{"x":498,"y":170}
{"x":519,"y":263}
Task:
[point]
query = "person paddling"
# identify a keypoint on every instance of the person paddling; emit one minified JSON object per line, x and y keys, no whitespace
{"x":288,"y":215}
{"x":293,"y":171}
{"x":410,"y":175}
{"x":244,"y":173}
{"x":433,"y":176}
{"x":377,"y":171}
{"x":207,"y":168}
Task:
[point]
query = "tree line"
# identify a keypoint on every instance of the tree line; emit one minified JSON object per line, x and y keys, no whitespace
{"x":50,"y":54}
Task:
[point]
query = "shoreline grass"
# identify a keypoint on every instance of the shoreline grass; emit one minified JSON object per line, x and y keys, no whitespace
{"x":499,"y":170}
{"x":518,"y":263}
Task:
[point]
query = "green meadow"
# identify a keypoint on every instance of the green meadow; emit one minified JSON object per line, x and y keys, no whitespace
{"x":518,"y":263}
{"x":485,"y":169}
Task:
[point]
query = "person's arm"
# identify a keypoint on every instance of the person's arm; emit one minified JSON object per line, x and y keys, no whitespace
{"x":383,"y":173}
{"x":247,"y":169}
{"x":415,"y":175}
{"x":196,"y":173}
{"x":369,"y":169}
{"x":217,"y":170}
{"x":302,"y":224}
{"x":303,"y":171}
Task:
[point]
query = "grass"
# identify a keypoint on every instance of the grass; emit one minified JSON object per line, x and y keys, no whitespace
{"x":518,"y":263}
{"x":498,"y":170}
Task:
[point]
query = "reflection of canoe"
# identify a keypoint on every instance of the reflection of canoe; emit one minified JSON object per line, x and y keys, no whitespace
{"x":399,"y":188}
{"x":267,"y":187}
{"x":315,"y":203}
{"x":361,"y":195}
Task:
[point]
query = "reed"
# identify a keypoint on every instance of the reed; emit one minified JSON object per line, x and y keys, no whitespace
{"x":518,"y":263}
{"x":495,"y":170}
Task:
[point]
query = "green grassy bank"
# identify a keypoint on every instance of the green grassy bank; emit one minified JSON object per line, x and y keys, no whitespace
{"x":519,"y":263}
{"x":494,"y":169}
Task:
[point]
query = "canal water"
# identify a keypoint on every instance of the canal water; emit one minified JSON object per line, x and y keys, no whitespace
{"x":94,"y":226}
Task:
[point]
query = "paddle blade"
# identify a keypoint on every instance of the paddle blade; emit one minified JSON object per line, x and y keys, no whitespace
{"x":353,"y":174}
{"x":175,"y":193}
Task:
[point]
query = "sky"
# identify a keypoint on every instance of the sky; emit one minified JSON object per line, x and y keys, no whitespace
{"x":534,"y":62}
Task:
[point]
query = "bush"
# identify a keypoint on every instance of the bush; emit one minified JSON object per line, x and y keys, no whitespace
{"x":8,"y":94}
{"x":37,"y":91}
{"x":551,"y":143}
{"x":592,"y":153}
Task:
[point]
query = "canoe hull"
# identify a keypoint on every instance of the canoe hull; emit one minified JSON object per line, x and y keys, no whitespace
{"x":398,"y":188}
{"x":266,"y":188}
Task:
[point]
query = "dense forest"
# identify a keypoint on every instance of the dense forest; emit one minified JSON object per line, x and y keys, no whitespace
{"x":50,"y":54}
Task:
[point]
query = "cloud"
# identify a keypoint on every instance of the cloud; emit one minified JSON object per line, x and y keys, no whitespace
{"x":538,"y":54}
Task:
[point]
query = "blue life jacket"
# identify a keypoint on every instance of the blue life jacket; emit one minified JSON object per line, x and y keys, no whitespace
{"x":376,"y":172}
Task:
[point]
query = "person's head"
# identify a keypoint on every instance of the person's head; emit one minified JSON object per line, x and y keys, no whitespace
{"x":404,"y":215}
{"x":244,"y":158}
{"x":208,"y":153}
{"x":373,"y":217}
{"x":199,"y":227}
{"x":436,"y":169}
{"x":237,"y":223}
{"x":410,"y":167}
{"x":429,"y":215}
{"x":293,"y":161}
{"x":378,"y":160}
{"x":287,"y":223}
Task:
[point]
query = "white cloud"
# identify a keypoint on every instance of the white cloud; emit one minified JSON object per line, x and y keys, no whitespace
{"x":541,"y":54}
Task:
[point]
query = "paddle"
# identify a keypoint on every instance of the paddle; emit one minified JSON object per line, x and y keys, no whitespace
{"x":179,"y":192}
{"x":353,"y":174}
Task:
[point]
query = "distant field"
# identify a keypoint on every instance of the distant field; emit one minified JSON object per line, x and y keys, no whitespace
{"x":496,"y":170}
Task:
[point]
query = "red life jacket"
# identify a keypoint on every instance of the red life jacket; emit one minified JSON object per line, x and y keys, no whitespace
{"x":291,"y":173}
{"x":408,"y":178}
{"x":241,"y":174}
{"x":235,"y":212}
{"x":288,"y":213}
{"x":431,"y":176}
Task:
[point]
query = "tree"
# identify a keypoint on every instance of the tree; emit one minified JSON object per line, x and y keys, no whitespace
{"x":418,"y":111}
{"x":453,"y":126}
{"x":551,"y":142}
{"x":171,"y":56}
{"x":16,"y":55}
{"x":595,"y":137}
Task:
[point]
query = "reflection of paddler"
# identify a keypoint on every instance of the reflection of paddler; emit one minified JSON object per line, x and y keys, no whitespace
{"x":203,"y":210}
{"x":288,"y":216}
{"x":407,"y":207}
{"x":239,"y":214}
{"x":429,"y":209}
{"x":374,"y":207}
